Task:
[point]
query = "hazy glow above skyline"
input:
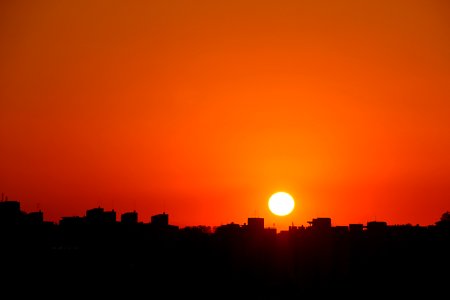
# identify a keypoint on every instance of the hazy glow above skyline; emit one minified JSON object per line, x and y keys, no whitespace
{"x":203,"y":109}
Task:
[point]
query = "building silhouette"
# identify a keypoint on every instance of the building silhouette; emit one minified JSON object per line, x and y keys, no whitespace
{"x":255,"y":224}
{"x":72,"y":221}
{"x":234,"y":260}
{"x":160,"y":220}
{"x":34,"y":218}
{"x":320,"y":223}
{"x":356,"y":228}
{"x":10,"y":212}
{"x":129,"y":218}
{"x":100,"y":216}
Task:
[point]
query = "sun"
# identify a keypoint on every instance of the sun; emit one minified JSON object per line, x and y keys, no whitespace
{"x":281,"y":204}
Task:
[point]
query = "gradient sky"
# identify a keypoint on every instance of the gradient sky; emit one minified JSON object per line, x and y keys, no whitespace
{"x":203,"y":109}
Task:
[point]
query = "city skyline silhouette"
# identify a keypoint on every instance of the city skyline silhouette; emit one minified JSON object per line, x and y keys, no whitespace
{"x":97,"y":254}
{"x":133,"y":217}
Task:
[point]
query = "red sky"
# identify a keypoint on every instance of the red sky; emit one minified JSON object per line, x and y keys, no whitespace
{"x":203,"y":109}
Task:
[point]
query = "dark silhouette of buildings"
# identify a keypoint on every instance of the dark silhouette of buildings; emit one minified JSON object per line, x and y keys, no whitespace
{"x":255,"y":225}
{"x":356,"y":228}
{"x":10,"y":212}
{"x":100,"y":216}
{"x":160,"y":220}
{"x":376,"y":226}
{"x":34,"y":218}
{"x":321,"y":223}
{"x":129,"y":218}
{"x":97,"y":254}
{"x":72,"y":221}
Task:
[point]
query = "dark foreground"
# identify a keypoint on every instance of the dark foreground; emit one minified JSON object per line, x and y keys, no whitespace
{"x":153,"y":263}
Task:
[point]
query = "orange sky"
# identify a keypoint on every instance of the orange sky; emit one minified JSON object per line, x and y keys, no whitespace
{"x":203,"y":109}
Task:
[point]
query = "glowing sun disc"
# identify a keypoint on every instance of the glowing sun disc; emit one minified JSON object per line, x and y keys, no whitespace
{"x":281,"y":204}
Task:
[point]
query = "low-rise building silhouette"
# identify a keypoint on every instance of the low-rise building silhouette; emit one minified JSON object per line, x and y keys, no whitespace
{"x":376,"y":227}
{"x":341,"y":230}
{"x":129,"y":217}
{"x":72,"y":221}
{"x":10,"y":213}
{"x":255,"y":224}
{"x":100,"y":216}
{"x":34,"y":218}
{"x":320,"y":223}
{"x":356,"y":228}
{"x":160,"y":220}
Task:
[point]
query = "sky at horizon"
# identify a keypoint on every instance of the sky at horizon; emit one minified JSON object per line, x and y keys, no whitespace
{"x":203,"y":109}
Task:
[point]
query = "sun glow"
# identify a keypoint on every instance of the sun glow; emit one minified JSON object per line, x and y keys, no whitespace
{"x":281,"y":204}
